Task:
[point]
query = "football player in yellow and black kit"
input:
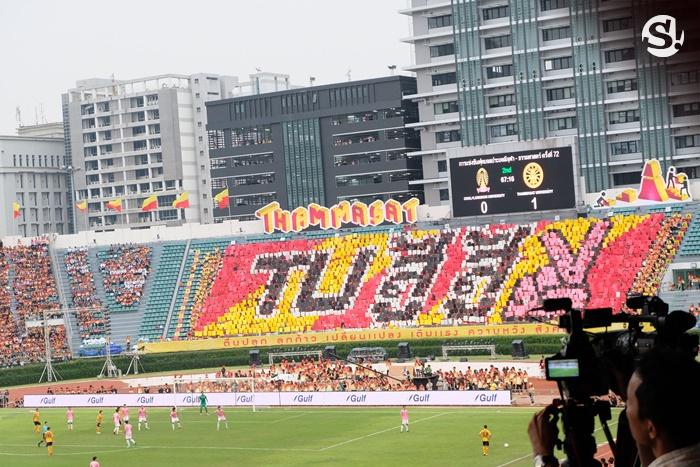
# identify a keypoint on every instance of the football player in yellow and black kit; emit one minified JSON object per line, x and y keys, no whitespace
{"x":485,"y":436}
{"x":48,"y":438}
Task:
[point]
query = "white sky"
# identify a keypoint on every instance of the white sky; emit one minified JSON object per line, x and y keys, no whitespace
{"x":46,"y":45}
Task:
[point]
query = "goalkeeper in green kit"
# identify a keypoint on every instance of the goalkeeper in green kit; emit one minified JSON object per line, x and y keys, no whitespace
{"x":203,"y":403}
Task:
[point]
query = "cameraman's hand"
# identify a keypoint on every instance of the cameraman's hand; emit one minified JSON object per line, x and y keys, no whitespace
{"x":543,"y":431}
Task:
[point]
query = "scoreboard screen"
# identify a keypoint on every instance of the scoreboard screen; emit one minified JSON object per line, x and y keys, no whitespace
{"x":513,"y":182}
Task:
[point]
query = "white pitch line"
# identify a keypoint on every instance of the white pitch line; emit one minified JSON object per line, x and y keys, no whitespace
{"x":530,"y":455}
{"x":379,"y":432}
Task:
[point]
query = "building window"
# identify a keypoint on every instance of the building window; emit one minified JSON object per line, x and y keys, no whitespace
{"x":622,"y":85}
{"x":687,"y":141}
{"x":499,"y":71}
{"x":553,"y":34}
{"x":623,"y":116}
{"x":250,"y":136}
{"x":564,"y":123}
{"x":495,"y":12}
{"x":617,"y":24}
{"x":502,"y":101}
{"x":557,"y":94}
{"x":559,"y":63}
{"x":442,"y":50}
{"x":499,"y":131}
{"x":439,"y":21}
{"x":215,"y":139}
{"x":619,"y":55}
{"x":497,"y":42}
{"x":345,"y":140}
{"x":546,"y":5}
{"x":353,"y":118}
{"x":442,"y":166}
{"x":685,"y":77}
{"x":445,"y":107}
{"x":686,"y":110}
{"x":627,"y":178}
{"x":624,"y":147}
{"x":444,"y":194}
{"x":442,"y":79}
{"x":447,"y":136}
{"x":358,"y":180}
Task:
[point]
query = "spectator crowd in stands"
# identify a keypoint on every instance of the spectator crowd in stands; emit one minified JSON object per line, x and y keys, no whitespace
{"x":326,"y":375}
{"x":92,"y":318}
{"x":125,"y":271}
{"x":34,"y":290}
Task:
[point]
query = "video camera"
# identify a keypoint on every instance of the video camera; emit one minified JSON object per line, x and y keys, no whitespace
{"x":591,"y":365}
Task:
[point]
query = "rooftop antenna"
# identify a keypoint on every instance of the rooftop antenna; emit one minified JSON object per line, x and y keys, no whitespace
{"x":43,"y":114}
{"x":36,"y":116}
{"x":258,"y":69}
{"x":18,"y":116}
{"x":311,"y":80}
{"x":392,"y":69}
{"x":348,"y":74}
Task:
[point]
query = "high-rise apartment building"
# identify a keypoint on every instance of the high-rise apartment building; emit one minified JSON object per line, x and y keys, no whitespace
{"x":319,"y":144}
{"x":130,"y":139}
{"x":499,"y":71}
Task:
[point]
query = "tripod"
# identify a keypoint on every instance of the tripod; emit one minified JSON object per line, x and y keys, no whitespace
{"x":49,"y":371}
{"x":109,"y":370}
{"x":135,"y":363}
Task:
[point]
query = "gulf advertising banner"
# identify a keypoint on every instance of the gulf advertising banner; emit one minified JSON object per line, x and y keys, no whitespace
{"x":278,"y":399}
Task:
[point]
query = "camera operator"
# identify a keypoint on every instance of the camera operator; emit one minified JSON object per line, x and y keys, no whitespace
{"x":661,"y":411}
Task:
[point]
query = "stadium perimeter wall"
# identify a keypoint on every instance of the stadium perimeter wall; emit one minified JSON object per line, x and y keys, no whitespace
{"x":356,"y":337}
{"x":84,"y":368}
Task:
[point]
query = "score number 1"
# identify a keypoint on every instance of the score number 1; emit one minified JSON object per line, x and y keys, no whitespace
{"x":534,"y":203}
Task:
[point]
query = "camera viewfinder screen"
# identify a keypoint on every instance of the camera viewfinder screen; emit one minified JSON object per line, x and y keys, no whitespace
{"x":562,"y":368}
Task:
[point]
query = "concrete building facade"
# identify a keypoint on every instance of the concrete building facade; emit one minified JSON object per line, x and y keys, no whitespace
{"x":32,"y":174}
{"x":320,"y":144}
{"x":499,"y":71}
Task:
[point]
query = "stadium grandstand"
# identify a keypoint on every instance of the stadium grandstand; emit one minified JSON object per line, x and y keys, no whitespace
{"x":194,"y":283}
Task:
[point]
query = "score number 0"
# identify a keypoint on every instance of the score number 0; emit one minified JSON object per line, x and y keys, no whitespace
{"x":485,"y":206}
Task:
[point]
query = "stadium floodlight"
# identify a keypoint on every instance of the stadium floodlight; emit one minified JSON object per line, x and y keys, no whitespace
{"x":49,"y":371}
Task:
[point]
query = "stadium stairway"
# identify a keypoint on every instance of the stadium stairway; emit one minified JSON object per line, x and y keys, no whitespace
{"x":691,"y":241}
{"x":126,"y":323}
{"x":10,"y":281}
{"x":66,"y":296}
{"x":159,"y":297}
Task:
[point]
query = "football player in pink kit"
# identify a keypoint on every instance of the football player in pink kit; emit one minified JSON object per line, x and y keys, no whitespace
{"x":125,"y":413}
{"x":69,"y":418}
{"x":174,"y":419}
{"x":94,"y":462}
{"x":143,"y":418}
{"x":404,"y":419}
{"x":117,"y":422}
{"x":220,"y":417}
{"x":128,"y":435}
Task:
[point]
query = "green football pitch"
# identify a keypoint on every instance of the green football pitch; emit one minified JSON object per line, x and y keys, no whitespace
{"x":269,"y":437}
